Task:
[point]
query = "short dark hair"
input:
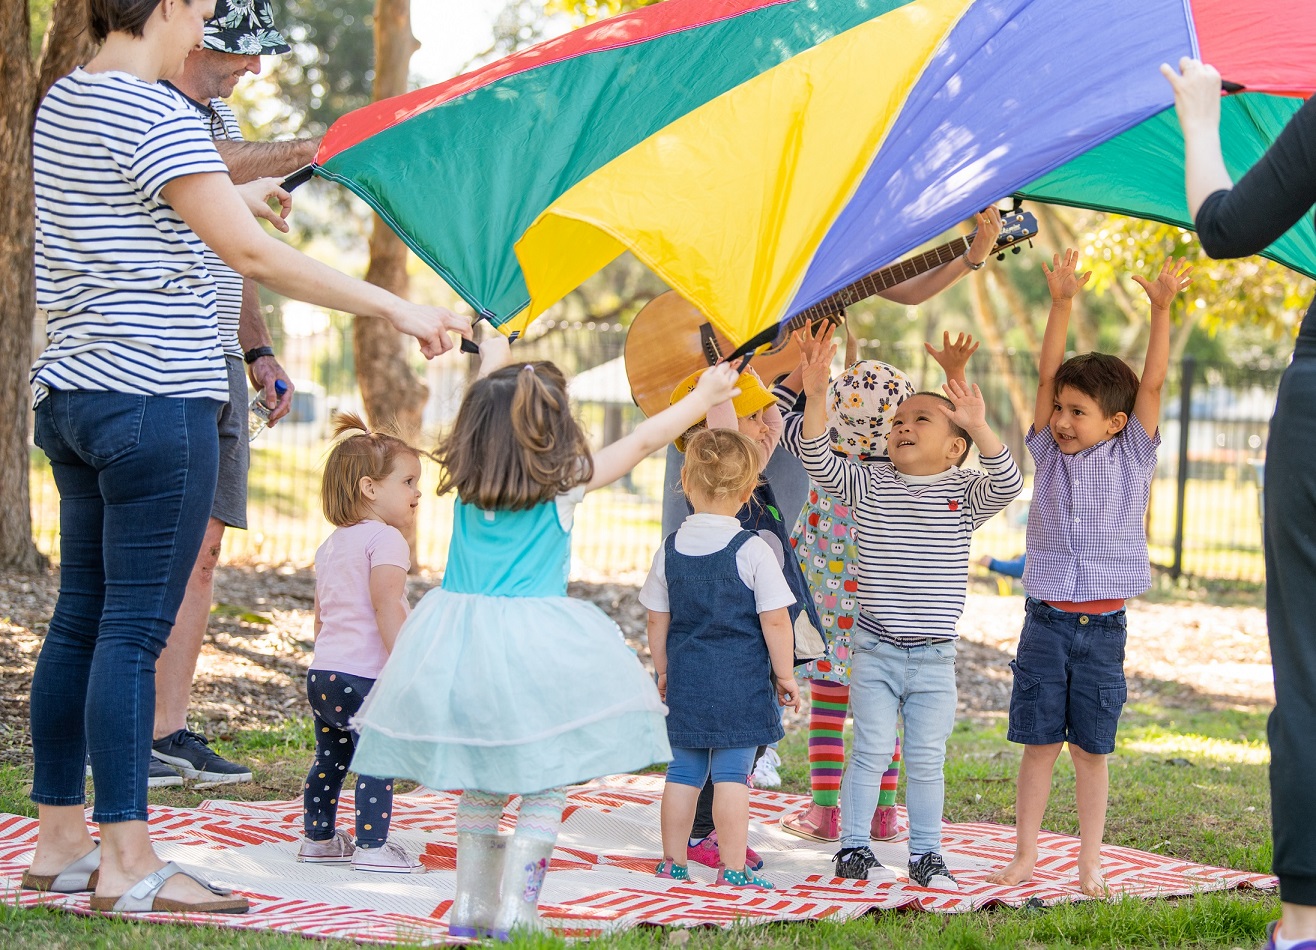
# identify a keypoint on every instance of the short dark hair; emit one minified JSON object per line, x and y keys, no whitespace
{"x":1106,"y":379}
{"x":120,"y":16}
{"x":955,"y":428}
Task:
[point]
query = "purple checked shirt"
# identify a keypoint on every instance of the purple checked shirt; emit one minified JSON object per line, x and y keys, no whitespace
{"x":1087,"y":536}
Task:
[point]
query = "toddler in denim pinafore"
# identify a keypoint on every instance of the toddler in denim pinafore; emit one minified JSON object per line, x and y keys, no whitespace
{"x":719,"y":632}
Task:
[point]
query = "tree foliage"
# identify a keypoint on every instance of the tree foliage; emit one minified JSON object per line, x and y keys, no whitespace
{"x":587,"y":11}
{"x":331,"y":68}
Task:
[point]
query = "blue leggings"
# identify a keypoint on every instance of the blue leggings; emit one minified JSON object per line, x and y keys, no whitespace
{"x":693,"y":766}
{"x":335,"y":698}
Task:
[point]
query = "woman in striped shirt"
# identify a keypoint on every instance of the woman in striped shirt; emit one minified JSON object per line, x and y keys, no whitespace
{"x":127,"y":394}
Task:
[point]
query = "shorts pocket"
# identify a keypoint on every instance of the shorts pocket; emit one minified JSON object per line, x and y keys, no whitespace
{"x":1110,"y":703}
{"x":1024,"y":698}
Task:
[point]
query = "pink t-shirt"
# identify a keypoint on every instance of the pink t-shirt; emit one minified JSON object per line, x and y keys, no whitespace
{"x":349,"y":640}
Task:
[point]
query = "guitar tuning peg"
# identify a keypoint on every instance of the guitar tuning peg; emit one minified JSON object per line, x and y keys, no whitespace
{"x":1000,"y":256}
{"x":1016,"y":249}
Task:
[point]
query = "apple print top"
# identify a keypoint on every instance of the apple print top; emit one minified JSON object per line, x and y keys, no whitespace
{"x":824,"y":542}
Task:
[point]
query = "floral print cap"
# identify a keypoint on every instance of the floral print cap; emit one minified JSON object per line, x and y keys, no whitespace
{"x":860,"y":404}
{"x":244,"y":27}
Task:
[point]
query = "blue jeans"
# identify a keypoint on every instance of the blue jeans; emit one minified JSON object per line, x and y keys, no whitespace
{"x":136,"y":479}
{"x":917,"y":684}
{"x":694,"y":767}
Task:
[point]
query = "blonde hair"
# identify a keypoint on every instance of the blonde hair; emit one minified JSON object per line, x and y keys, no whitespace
{"x":544,"y":455}
{"x":719,"y":464}
{"x":368,"y":455}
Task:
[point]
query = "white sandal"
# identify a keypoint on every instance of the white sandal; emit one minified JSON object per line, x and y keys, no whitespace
{"x":144,"y":897}
{"x":79,"y":876}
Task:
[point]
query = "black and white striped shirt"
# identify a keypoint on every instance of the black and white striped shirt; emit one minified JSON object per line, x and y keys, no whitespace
{"x":130,"y":304}
{"x":914,"y":533}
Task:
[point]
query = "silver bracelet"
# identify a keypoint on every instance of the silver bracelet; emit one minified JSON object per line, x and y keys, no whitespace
{"x":973,"y":266}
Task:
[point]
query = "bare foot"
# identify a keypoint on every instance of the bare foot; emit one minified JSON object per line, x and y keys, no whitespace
{"x":1090,"y":880}
{"x":1018,"y":871}
{"x":179,"y":887}
{"x":53,"y":856}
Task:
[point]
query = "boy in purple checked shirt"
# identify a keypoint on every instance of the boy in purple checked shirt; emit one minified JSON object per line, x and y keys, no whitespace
{"x":1094,"y":440}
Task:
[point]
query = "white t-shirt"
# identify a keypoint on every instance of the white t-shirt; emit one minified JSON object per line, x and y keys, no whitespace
{"x":702,"y":534}
{"x":130,"y":305}
{"x":349,"y":640}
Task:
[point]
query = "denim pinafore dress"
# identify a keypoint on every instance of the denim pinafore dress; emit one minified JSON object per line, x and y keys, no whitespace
{"x":719,"y":687}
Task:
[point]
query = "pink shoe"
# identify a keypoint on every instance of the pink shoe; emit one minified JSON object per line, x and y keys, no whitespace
{"x":815,"y":822}
{"x":706,"y":853}
{"x":886,"y":823}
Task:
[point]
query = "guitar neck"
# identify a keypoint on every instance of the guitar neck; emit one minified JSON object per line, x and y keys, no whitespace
{"x":879,"y":281}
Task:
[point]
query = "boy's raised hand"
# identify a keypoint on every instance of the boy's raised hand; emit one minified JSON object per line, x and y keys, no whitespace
{"x":1174,"y":277}
{"x":1060,"y":277}
{"x":816,"y":352}
{"x":970,"y":412}
{"x":953,"y":357}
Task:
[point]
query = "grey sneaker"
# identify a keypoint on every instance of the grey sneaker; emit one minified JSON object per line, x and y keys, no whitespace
{"x":337,"y":850}
{"x":931,"y":871}
{"x":191,"y":754}
{"x":389,"y":858}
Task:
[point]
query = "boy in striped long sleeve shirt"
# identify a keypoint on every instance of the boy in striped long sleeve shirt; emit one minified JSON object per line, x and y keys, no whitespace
{"x":915,"y":515}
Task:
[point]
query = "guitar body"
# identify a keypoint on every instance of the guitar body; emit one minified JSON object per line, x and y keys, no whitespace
{"x":670,"y":339}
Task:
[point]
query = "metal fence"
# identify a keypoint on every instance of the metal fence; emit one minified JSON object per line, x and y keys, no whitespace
{"x":1204,"y":519}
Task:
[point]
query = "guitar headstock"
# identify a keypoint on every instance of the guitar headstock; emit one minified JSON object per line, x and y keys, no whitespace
{"x":1016,"y":228}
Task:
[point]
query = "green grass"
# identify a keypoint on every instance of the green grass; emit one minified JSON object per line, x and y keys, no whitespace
{"x":1214,"y":810}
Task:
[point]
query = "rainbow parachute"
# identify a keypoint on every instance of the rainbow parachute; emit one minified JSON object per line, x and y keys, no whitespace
{"x":760,"y":154}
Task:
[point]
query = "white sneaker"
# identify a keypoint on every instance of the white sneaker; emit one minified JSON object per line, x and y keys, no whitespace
{"x":388,"y":859}
{"x":337,"y":850}
{"x":765,"y":772}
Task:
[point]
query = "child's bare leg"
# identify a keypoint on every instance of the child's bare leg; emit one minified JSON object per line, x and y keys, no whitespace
{"x":1092,"y":787}
{"x":731,"y":818}
{"x":1030,"y":805}
{"x":677,"y":816}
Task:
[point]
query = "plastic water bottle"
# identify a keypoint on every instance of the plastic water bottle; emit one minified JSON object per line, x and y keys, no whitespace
{"x":258,"y":416}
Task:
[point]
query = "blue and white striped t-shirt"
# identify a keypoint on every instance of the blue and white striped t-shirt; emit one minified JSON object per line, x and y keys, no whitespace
{"x":129,"y":303}
{"x":914,"y":533}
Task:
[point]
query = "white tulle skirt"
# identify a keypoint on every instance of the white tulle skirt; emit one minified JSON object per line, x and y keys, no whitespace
{"x":509,"y":694}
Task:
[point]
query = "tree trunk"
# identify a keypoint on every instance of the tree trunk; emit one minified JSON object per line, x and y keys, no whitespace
{"x":67,"y":43}
{"x":392,"y":392}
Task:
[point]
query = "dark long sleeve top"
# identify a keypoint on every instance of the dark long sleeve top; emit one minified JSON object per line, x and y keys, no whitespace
{"x":1269,"y":199}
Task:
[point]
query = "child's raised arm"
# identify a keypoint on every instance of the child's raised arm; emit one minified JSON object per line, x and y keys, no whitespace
{"x":1173,"y":278}
{"x":388,"y":587}
{"x":611,"y":462}
{"x":816,"y":354}
{"x":970,"y":414}
{"x":495,"y":353}
{"x":953,"y":357}
{"x":1064,"y":286}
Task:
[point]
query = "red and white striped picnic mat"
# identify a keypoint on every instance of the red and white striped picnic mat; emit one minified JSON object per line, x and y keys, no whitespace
{"x":602,"y":873}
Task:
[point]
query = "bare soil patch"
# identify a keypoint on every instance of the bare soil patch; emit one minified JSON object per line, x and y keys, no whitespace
{"x":252,"y":667}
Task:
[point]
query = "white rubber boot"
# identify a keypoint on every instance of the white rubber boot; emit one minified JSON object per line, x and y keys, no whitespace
{"x":524,"y":868}
{"x":479,"y":874}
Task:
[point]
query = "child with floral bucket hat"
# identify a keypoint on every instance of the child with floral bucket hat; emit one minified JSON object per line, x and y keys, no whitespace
{"x":860,"y":405}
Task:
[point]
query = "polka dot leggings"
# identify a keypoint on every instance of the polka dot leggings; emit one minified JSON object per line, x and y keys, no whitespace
{"x":335,"y":698}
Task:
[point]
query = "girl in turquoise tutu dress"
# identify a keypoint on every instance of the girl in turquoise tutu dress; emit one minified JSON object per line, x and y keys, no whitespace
{"x":500,"y":684}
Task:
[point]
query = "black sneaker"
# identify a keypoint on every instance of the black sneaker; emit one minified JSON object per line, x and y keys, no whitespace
{"x":855,"y":863}
{"x":931,"y":871}
{"x":191,"y":755}
{"x":160,"y":775}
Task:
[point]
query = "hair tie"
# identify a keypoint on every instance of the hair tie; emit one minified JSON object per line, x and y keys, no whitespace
{"x":528,"y":368}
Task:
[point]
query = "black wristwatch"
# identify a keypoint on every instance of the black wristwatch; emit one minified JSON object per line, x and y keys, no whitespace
{"x":256,"y":352}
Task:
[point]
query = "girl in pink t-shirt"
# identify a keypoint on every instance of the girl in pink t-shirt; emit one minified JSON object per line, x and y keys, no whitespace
{"x":369,"y":492}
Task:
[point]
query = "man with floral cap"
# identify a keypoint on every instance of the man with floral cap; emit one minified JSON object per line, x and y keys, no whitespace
{"x":235,"y":37}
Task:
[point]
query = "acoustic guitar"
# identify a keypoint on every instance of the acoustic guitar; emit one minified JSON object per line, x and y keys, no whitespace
{"x":670,"y":339}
